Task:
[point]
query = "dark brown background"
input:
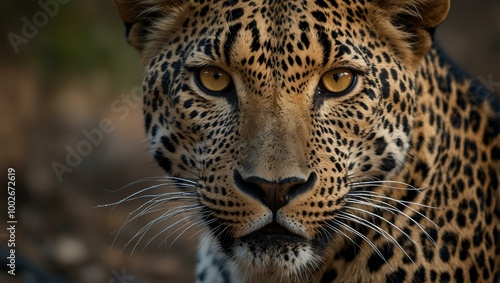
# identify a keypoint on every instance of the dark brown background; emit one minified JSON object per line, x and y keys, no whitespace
{"x":64,"y":81}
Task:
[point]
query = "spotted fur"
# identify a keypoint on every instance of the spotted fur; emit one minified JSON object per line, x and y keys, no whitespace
{"x":395,"y":181}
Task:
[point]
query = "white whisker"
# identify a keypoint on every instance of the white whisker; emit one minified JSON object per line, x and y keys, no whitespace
{"x":131,"y":196}
{"x":156,"y":221}
{"x":176,"y":180}
{"x":354,"y":231}
{"x":379,"y":195}
{"x":403,"y":203}
{"x":381,"y":231}
{"x":394,"y":210}
{"x":383,"y":185}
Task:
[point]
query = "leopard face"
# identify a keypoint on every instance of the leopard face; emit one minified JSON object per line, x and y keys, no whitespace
{"x":281,"y":112}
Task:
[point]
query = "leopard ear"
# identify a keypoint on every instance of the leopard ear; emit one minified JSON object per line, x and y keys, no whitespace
{"x":411,"y":24}
{"x":142,"y":18}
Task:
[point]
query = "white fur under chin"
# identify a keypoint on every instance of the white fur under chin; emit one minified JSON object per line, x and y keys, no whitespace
{"x":287,"y":263}
{"x":270,"y":265}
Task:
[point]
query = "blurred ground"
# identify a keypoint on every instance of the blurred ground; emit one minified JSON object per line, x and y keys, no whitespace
{"x":63,"y":81}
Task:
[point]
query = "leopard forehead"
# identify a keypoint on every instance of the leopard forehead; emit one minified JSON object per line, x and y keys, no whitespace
{"x":268,"y":47}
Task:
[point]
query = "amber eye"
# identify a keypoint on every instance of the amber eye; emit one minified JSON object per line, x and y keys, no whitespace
{"x":338,"y":82}
{"x":213,"y":80}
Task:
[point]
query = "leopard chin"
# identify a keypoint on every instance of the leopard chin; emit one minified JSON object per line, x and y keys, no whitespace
{"x":274,"y":254}
{"x":278,"y":257}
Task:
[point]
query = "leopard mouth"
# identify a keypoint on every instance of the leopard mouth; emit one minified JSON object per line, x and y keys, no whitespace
{"x":276,"y":251}
{"x":273,"y":234}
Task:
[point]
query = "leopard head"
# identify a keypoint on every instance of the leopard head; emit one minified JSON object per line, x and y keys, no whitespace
{"x":275,"y":109}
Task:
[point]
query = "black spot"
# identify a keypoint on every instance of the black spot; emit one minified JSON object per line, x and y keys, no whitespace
{"x":343,"y":49}
{"x":204,"y":11}
{"x":329,"y":276}
{"x":473,"y":275}
{"x":375,"y":262}
{"x":495,"y":153}
{"x":419,"y":275}
{"x":167,"y":143}
{"x":493,"y":180}
{"x":154,"y":131}
{"x":433,"y":276}
{"x":461,"y":221}
{"x":234,"y":14}
{"x":450,"y":238}
{"x":380,"y":145}
{"x":477,"y":239}
{"x":350,"y":251}
{"x":386,"y":88}
{"x":492,"y":130}
{"x":445,"y":277}
{"x":423,"y":168}
{"x":420,"y":142}
{"x":319,"y":16}
{"x":444,"y":254}
{"x":473,"y":210}
{"x":147,"y":121}
{"x":388,"y":163}
{"x":397,"y":276}
{"x":459,"y":275}
{"x":474,"y":120}
{"x":456,"y":119}
{"x":394,"y":75}
{"x":162,"y":161}
{"x":486,"y":274}
{"x":152,"y":80}
{"x":366,"y":167}
{"x":188,"y":103}
{"x":464,"y":250}
{"x":193,"y":114}
{"x":449,"y":215}
{"x":321,"y":3}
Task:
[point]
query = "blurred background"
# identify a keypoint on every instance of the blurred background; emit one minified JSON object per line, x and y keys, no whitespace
{"x":65,"y":81}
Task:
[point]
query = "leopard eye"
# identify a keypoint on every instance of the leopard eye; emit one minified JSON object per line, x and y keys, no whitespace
{"x":338,"y":82}
{"x":213,"y":80}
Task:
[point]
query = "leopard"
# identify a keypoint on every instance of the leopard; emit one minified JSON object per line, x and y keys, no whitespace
{"x":320,"y":140}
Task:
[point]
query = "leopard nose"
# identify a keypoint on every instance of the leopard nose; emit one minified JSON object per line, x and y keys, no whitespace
{"x":274,"y":194}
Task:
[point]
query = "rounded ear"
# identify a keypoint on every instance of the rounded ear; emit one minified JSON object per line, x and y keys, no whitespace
{"x":411,"y":24}
{"x":140,"y":18}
